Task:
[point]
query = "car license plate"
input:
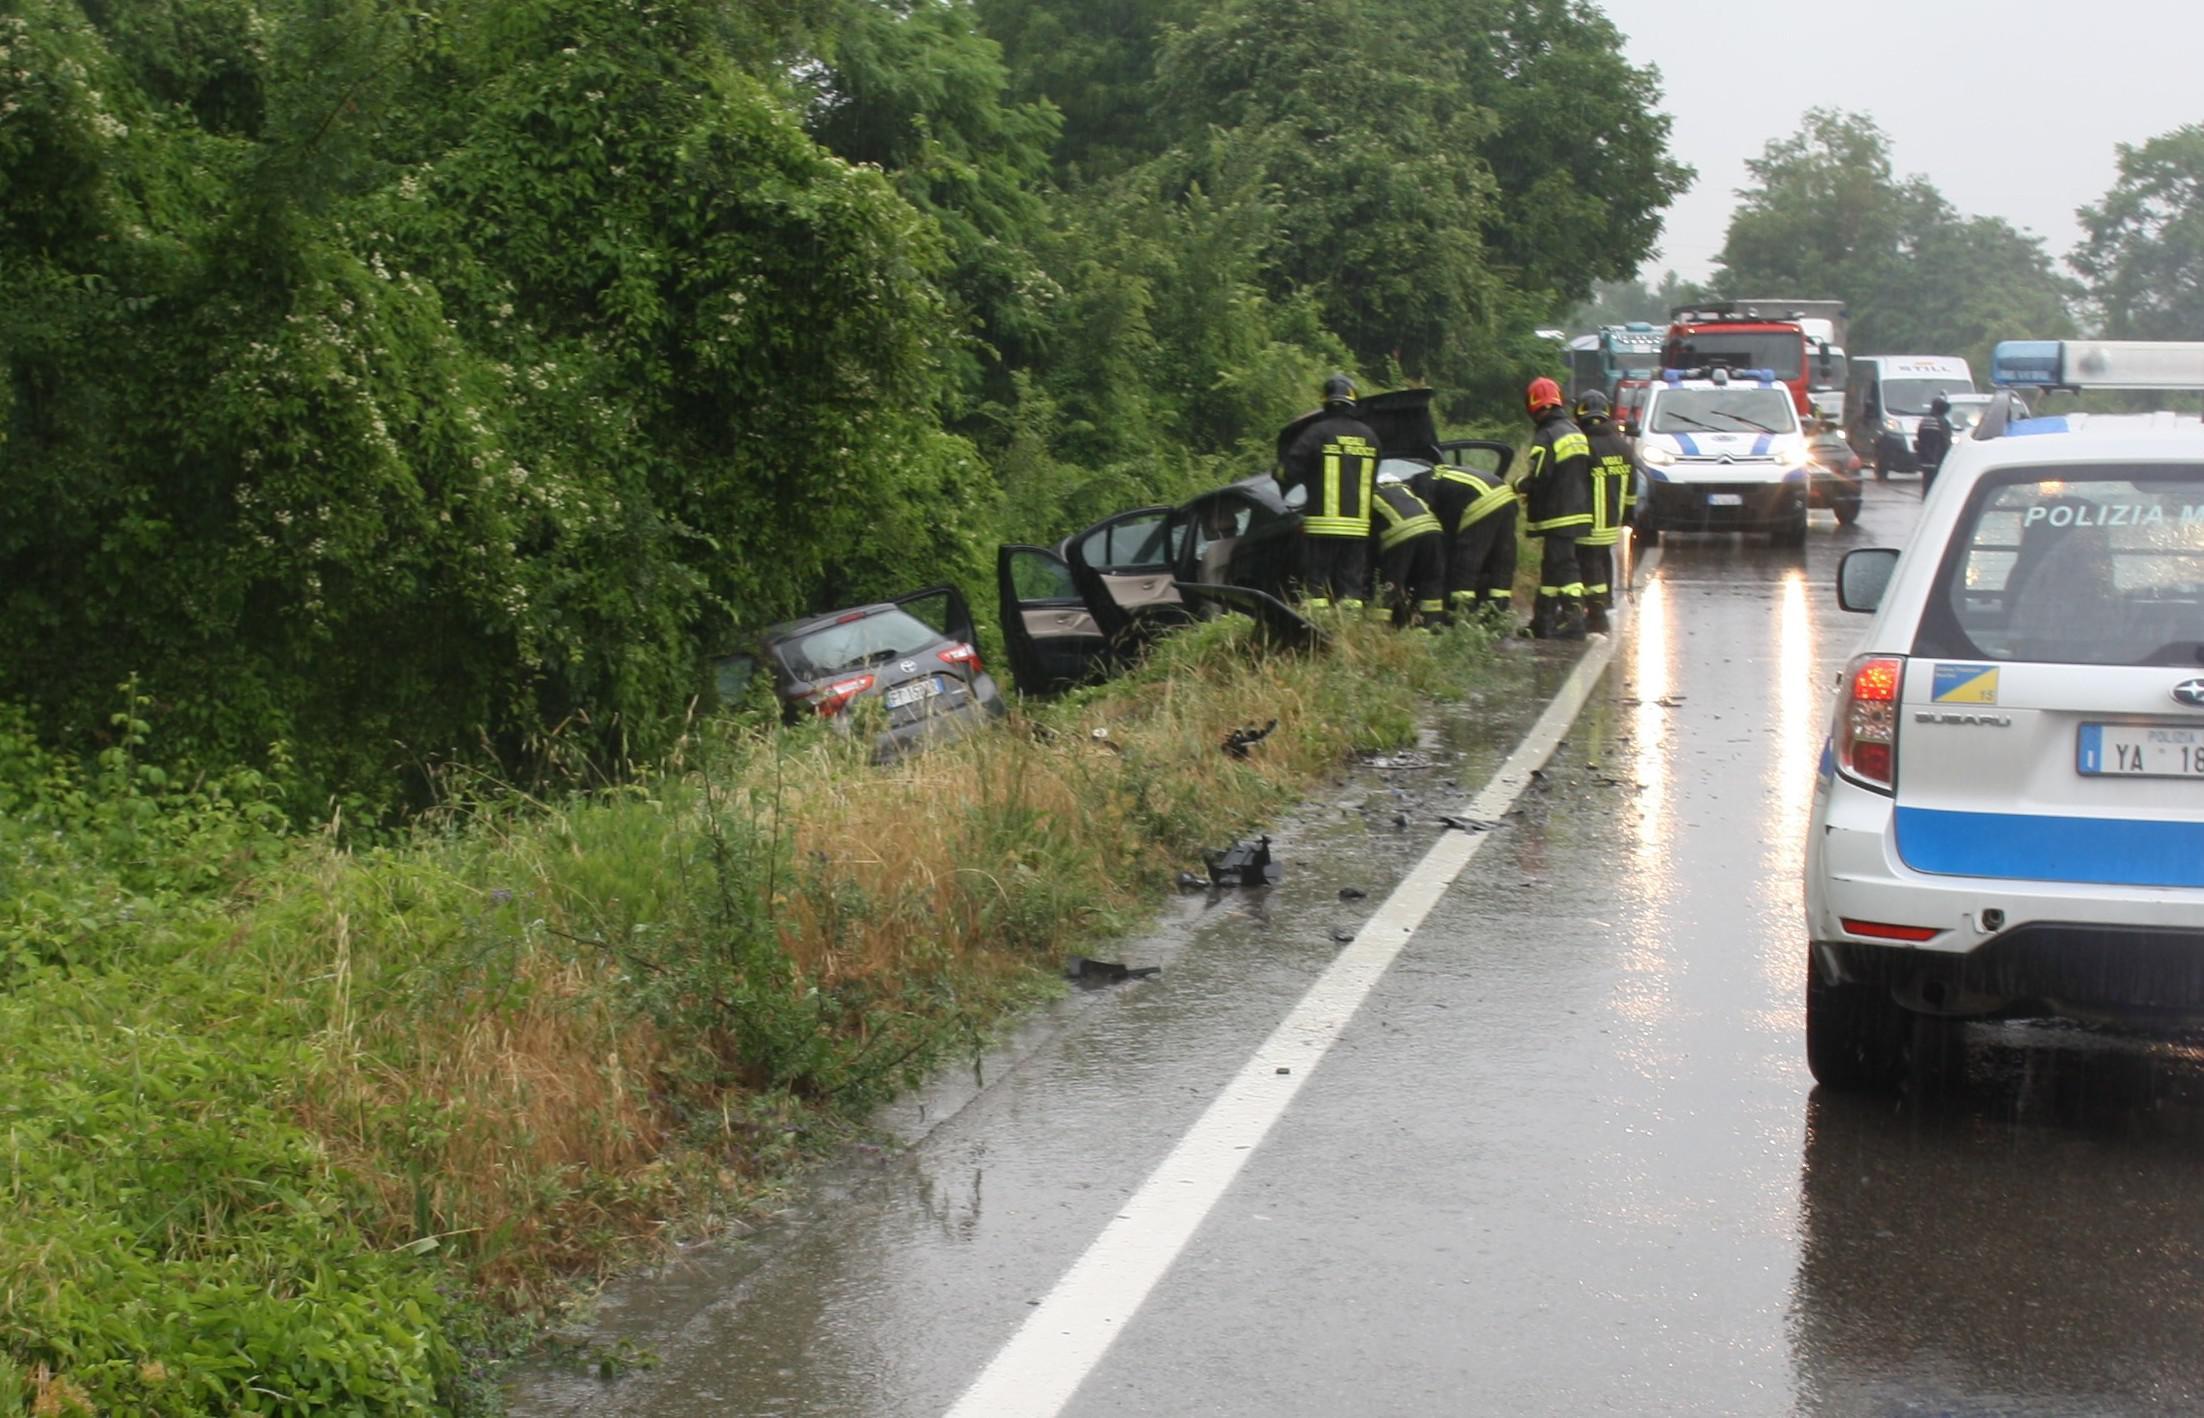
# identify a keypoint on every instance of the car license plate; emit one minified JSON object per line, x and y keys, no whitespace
{"x":2140,"y":751}
{"x":1725,"y":499}
{"x":911,"y":693}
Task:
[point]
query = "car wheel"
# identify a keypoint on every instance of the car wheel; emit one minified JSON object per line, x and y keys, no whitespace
{"x":1648,"y":533}
{"x":1882,"y":474}
{"x":1791,"y":533}
{"x":1856,"y":1035}
{"x":1847,"y":508}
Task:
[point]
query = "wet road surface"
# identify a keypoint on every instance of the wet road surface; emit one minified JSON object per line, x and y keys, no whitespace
{"x":1566,"y":1158}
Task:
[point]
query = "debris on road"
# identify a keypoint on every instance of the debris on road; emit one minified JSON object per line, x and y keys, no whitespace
{"x":1244,"y":864}
{"x":1352,"y":893}
{"x":1239,"y":741}
{"x":1190,"y":882}
{"x":1106,"y":972}
{"x":1468,"y":824}
{"x":1342,"y":935}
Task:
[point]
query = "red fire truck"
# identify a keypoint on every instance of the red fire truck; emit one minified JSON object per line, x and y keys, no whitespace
{"x":1737,"y":335}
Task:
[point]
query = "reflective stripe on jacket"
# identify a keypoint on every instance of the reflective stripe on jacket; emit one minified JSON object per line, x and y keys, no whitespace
{"x":1611,"y":482}
{"x":1557,"y":479}
{"x":1334,"y":461}
{"x":1401,"y":515}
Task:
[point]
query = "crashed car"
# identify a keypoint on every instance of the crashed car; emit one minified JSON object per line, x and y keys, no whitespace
{"x":1084,"y":608}
{"x":917,"y":656}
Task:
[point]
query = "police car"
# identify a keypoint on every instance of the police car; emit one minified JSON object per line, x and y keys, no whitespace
{"x":1721,"y":451}
{"x":2009,"y":814}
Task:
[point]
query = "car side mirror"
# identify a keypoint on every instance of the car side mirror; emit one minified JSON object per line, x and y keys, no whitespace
{"x":1627,"y":429}
{"x":1863,"y":576}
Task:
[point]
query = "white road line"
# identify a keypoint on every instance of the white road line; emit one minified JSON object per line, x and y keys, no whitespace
{"x":1061,"y":1342}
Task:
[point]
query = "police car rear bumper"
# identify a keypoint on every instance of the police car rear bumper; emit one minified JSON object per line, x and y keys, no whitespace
{"x":1998,"y":945}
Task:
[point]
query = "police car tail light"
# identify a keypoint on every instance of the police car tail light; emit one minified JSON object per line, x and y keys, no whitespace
{"x":1867,"y":724}
{"x":963,"y":654}
{"x":834,"y":697}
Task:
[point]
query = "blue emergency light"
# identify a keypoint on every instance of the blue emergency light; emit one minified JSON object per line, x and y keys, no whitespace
{"x":2098,"y":364}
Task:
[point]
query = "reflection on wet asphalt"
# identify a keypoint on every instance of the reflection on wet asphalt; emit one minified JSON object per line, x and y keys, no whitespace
{"x":1567,"y":1157}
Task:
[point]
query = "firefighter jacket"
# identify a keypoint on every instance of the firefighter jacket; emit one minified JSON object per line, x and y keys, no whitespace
{"x":1461,"y":498}
{"x":1335,"y":460}
{"x":1612,"y":493}
{"x":1400,"y":516}
{"x":1557,"y":479}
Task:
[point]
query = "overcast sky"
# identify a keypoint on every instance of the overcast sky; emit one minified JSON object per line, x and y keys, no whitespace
{"x":2016,"y":119}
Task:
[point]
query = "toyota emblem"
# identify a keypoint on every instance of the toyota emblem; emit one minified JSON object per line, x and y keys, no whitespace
{"x":2190,"y":691}
{"x":910,"y":667}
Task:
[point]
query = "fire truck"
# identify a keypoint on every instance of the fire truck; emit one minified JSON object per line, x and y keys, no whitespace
{"x":1798,"y":340}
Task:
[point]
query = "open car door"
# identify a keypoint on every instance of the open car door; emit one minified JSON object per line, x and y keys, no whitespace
{"x":1125,"y":568}
{"x":944,"y":609}
{"x":1281,"y":624}
{"x":1479,"y":455}
{"x":1049,"y":635}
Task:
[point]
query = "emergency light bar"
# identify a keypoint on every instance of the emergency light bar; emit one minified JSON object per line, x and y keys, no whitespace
{"x":2098,"y":364}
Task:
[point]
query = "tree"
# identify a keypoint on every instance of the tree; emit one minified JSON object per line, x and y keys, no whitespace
{"x":1621,"y":302}
{"x":1828,"y":217}
{"x":2143,"y":254}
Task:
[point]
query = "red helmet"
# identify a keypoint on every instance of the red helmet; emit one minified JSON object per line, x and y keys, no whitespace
{"x":1543,"y":394}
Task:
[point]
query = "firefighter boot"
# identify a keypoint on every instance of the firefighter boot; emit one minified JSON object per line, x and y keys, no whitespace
{"x":1568,"y":621}
{"x":1595,"y":618}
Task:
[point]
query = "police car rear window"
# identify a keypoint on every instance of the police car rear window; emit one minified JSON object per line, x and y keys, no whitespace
{"x":2097,"y":566}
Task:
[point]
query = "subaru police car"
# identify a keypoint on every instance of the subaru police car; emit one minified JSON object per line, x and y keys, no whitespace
{"x":1721,"y":451}
{"x":2009,"y":813}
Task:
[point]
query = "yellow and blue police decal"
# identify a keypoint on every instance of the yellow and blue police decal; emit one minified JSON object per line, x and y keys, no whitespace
{"x":1965,"y":684}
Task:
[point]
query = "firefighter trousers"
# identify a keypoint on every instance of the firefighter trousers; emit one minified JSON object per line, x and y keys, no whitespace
{"x":1334,"y":570}
{"x":1410,"y":578}
{"x":1480,"y":562}
{"x":1596,"y":569}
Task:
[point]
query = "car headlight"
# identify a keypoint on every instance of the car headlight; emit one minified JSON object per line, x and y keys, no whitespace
{"x":1891,"y":425}
{"x":1657,"y":455}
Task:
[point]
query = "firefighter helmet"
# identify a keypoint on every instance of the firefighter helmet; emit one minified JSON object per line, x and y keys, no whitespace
{"x":1542,"y":395}
{"x":1591,"y":405}
{"x":1339,"y":389}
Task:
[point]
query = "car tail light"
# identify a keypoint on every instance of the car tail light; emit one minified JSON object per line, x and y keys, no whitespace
{"x":963,"y":654}
{"x":833,"y":698}
{"x":1867,"y":722}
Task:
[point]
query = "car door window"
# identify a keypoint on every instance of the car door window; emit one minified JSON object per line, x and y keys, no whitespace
{"x":1132,"y":544}
{"x":1038,"y":576}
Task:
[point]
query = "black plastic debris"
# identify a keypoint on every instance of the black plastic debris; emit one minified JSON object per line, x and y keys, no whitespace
{"x":1244,"y":864}
{"x":1342,"y":935}
{"x":1190,"y":882}
{"x":1352,"y":893}
{"x":1106,"y":972}
{"x":1467,"y":824}
{"x":1239,"y":741}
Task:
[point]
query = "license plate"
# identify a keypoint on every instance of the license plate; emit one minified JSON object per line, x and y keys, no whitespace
{"x":1725,"y":499}
{"x":911,"y":693}
{"x":2140,"y":751}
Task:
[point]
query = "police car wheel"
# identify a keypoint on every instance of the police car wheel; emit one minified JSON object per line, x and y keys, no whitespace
{"x":1847,"y":508}
{"x":1856,"y":1035}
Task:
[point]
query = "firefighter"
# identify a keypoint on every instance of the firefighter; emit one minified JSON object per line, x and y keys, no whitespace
{"x":1612,"y":495}
{"x":1410,"y":556}
{"x":1557,"y":503}
{"x":1476,"y":513}
{"x":1333,"y":459}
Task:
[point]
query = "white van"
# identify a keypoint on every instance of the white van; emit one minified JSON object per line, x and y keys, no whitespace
{"x":1885,"y":399}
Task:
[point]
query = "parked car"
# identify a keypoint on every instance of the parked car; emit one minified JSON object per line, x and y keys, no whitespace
{"x":1085,"y":607}
{"x":2007,"y":818}
{"x":916,"y":656}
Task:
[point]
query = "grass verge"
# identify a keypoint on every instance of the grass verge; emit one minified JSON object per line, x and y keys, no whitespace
{"x":287,"y":1123}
